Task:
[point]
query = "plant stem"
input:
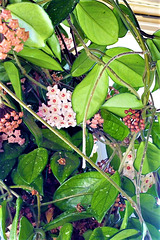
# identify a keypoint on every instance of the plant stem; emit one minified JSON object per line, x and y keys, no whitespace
{"x":58,"y":134}
{"x":39,"y":209}
{"x":25,"y":74}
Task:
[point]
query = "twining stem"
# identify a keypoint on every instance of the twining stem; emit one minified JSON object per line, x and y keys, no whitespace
{"x":25,"y":74}
{"x":58,"y":134}
{"x":142,"y":160}
{"x":127,"y":152}
{"x":39,"y":210}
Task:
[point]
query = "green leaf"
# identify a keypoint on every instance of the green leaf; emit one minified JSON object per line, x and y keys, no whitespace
{"x":134,"y":223}
{"x":150,"y":210}
{"x":114,"y":126}
{"x":52,"y":141}
{"x":13,"y":75}
{"x":121,"y":102}
{"x":84,"y":184}
{"x":152,"y":158}
{"x":88,"y":88}
{"x":55,"y":46}
{"x":83,"y":63}
{"x":26,"y":230}
{"x":32,"y":164}
{"x":128,"y":186}
{"x":65,"y":232}
{"x":60,"y":171}
{"x":126,"y":217}
{"x":6,"y":167}
{"x":153,"y":49}
{"x":130,"y":68}
{"x":122,"y":28}
{"x":34,"y":19}
{"x":66,"y":217}
{"x":156,"y":134}
{"x":103,"y":233}
{"x":37,"y":184}
{"x":2,"y":220}
{"x":98,"y":22}
{"x":12,"y":150}
{"x":158,"y":71}
{"x":13,"y":232}
{"x":104,"y":197}
{"x":39,"y":58}
{"x":3,"y":74}
{"x":124,"y":234}
{"x":58,"y":10}
{"x":157,"y":40}
{"x":33,"y":127}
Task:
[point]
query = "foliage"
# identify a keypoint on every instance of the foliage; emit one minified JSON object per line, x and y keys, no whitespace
{"x":67,"y":71}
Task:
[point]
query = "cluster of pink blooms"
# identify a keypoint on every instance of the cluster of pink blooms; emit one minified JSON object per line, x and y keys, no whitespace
{"x":58,"y":112}
{"x":68,"y":42}
{"x":146,"y":180}
{"x":9,"y":123}
{"x":95,"y":121}
{"x":12,"y":35}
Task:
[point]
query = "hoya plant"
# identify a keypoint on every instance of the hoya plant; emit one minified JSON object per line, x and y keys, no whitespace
{"x":64,"y":90}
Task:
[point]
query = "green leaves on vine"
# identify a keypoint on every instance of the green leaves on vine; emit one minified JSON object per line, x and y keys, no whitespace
{"x":90,"y":92}
{"x":121,"y":102}
{"x":129,"y":67}
{"x":98,"y":22}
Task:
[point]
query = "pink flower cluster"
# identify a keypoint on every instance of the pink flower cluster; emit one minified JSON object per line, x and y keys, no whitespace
{"x":12,"y":137}
{"x":68,"y":42}
{"x":12,"y":35}
{"x":146,"y":180}
{"x":58,"y":112}
{"x":95,"y":121}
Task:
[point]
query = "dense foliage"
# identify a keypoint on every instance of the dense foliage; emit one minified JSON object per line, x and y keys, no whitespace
{"x":64,"y":89}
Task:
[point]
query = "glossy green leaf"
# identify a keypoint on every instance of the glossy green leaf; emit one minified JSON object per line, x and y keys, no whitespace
{"x":26,"y":230}
{"x":150,"y":210}
{"x":40,"y":58}
{"x":13,"y":150}
{"x":156,"y":134}
{"x":152,"y":158}
{"x":98,"y":22}
{"x":88,"y":92}
{"x":103,"y":233}
{"x":6,"y":167}
{"x":3,"y":74}
{"x":60,"y":171}
{"x":37,"y":184}
{"x":126,"y":217}
{"x":13,"y":75}
{"x":83,"y":63}
{"x":34,"y":19}
{"x":122,"y":28}
{"x":155,"y":53}
{"x":114,"y":126}
{"x":121,"y":102}
{"x":104,"y":197}
{"x":128,"y":186}
{"x":124,"y":234}
{"x":32,"y":164}
{"x":33,"y":127}
{"x":65,"y":232}
{"x":157,"y":40}
{"x":2,"y":220}
{"x":52,"y":141}
{"x":84,"y":184}
{"x":130,"y":68}
{"x":58,"y":10}
{"x":55,"y":46}
{"x":66,"y":217}
{"x":13,"y":232}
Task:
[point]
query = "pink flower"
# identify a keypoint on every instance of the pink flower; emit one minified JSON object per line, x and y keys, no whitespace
{"x":18,"y":47}
{"x":13,"y":24}
{"x":6,"y":14}
{"x":11,"y":139}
